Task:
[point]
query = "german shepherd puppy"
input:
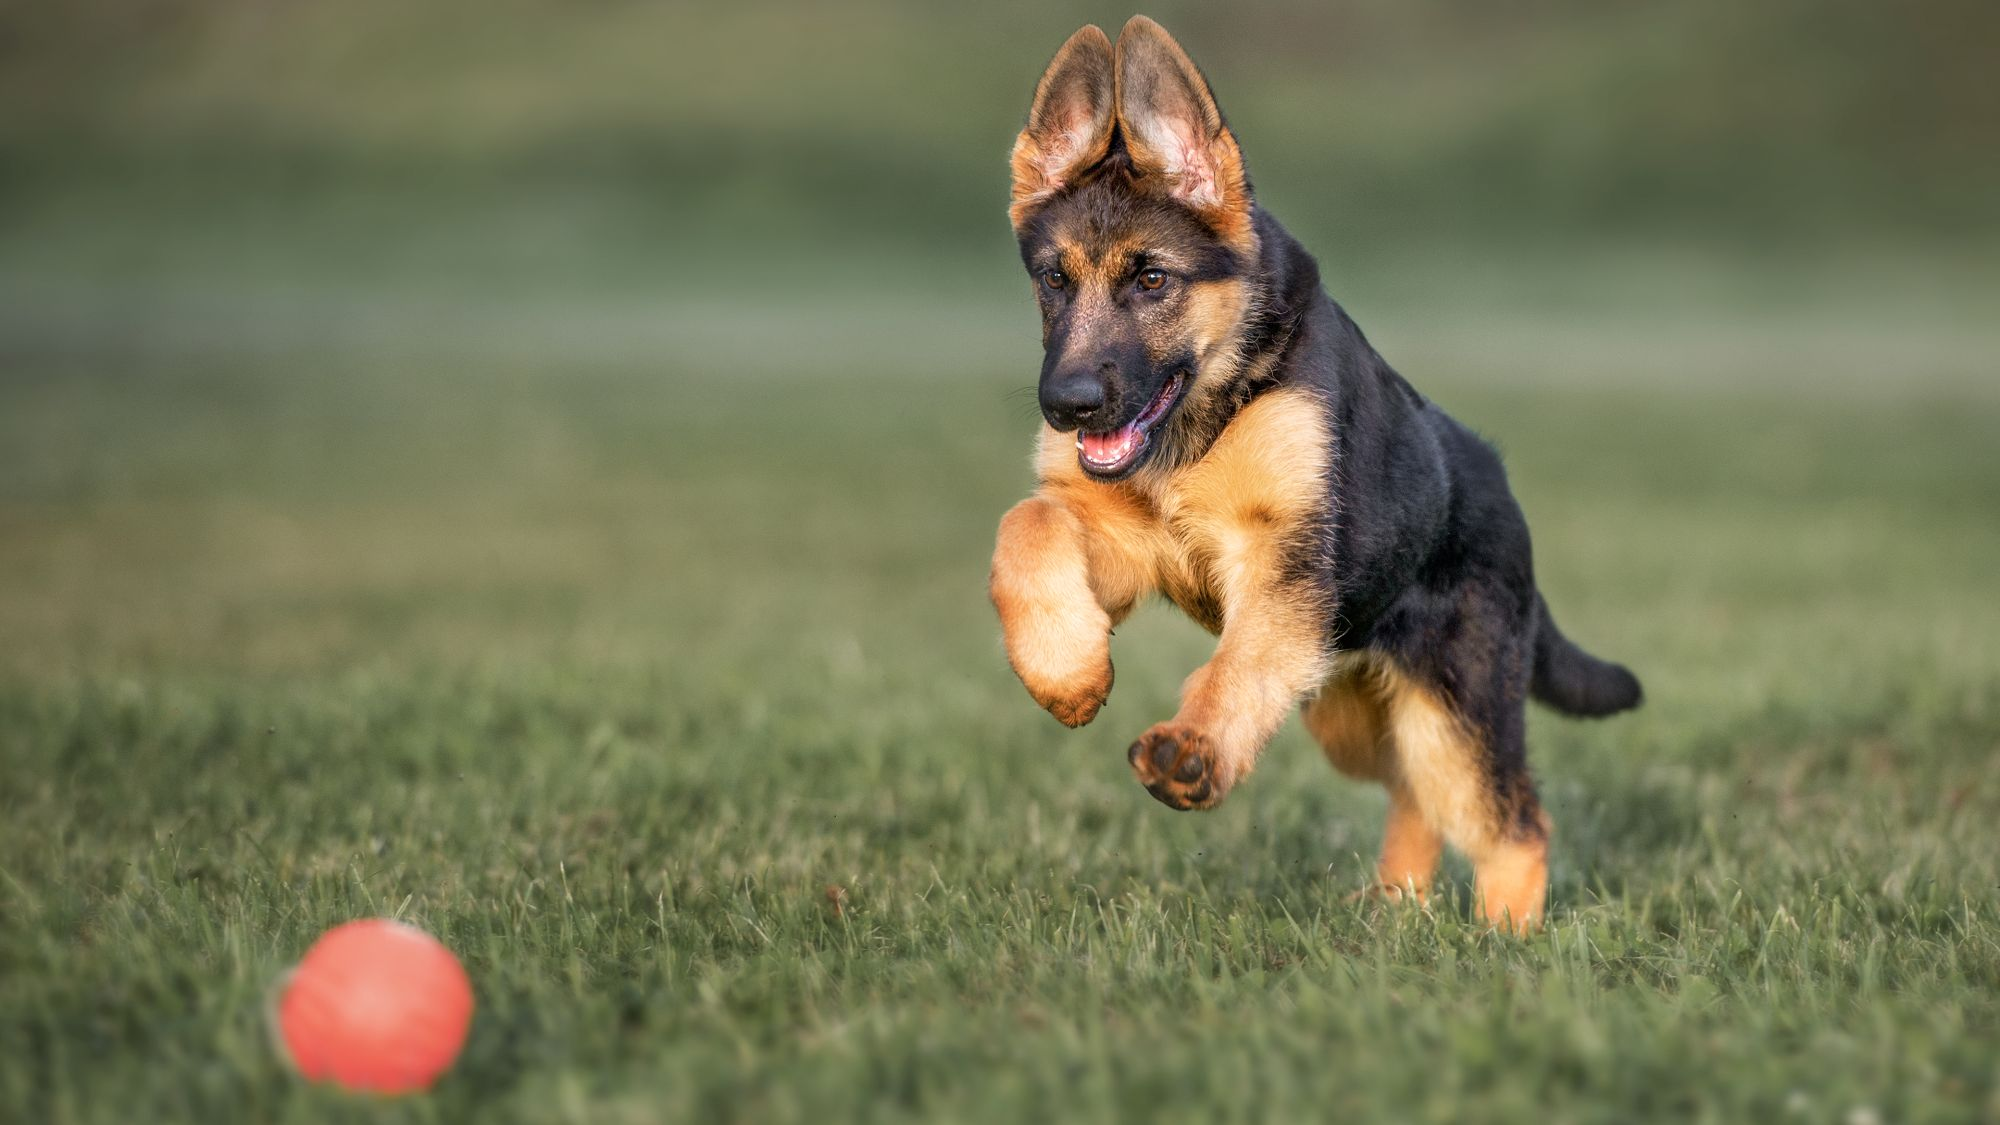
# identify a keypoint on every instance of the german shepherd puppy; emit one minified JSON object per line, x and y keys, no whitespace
{"x":1220,"y":433}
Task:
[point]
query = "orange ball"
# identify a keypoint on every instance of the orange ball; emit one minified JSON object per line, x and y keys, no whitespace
{"x":375,"y":1005}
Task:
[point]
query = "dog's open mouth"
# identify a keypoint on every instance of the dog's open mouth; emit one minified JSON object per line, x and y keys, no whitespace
{"x":1114,"y":453}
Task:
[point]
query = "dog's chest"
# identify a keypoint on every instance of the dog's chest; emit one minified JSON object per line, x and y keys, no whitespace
{"x":1207,"y":534}
{"x":1199,"y":530}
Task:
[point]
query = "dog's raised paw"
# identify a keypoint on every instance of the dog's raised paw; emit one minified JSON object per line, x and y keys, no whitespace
{"x":1074,"y":712}
{"x":1178,"y":766}
{"x":1078,"y":702}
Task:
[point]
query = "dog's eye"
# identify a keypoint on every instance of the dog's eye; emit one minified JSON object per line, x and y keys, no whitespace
{"x":1054,"y":279}
{"x":1152,"y":279}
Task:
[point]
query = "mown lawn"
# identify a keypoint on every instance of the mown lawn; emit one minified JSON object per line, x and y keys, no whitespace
{"x":669,"y":697}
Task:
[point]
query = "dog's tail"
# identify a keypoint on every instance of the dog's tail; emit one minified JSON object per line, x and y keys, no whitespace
{"x":1573,"y":681}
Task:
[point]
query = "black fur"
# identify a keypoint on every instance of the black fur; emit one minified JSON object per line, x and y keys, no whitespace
{"x":1421,"y":551}
{"x":1575,"y":682}
{"x":1426,"y":555}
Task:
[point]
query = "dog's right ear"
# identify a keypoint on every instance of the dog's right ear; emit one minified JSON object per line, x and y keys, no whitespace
{"x":1069,"y":128}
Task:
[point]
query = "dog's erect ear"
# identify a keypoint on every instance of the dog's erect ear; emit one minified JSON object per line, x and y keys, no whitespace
{"x":1069,"y":128}
{"x":1174,"y":130}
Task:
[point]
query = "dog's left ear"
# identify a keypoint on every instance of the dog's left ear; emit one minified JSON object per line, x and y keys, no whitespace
{"x":1174,"y":130}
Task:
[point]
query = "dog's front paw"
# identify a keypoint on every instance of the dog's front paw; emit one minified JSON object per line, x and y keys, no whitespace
{"x":1180,"y":766}
{"x":1061,"y":657}
{"x":1075,"y":700}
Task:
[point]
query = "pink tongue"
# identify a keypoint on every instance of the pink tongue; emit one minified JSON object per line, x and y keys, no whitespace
{"x":1111,"y":448}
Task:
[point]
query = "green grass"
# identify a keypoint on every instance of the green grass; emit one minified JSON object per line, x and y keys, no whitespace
{"x":482,"y":464}
{"x":606,"y":673}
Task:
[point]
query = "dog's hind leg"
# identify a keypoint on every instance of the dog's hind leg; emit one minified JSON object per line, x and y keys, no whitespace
{"x":1460,"y":755}
{"x":1349,"y":718}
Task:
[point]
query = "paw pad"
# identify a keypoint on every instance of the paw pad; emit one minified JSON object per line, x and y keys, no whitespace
{"x":1177,"y":765}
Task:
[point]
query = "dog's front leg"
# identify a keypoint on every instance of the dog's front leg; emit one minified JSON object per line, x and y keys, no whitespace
{"x":1057,"y":628}
{"x":1273,"y":651}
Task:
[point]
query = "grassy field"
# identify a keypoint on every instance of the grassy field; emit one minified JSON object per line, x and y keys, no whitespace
{"x":667,"y":694}
{"x":529,"y":470}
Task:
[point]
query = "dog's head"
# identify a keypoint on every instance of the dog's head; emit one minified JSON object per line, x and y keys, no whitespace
{"x":1135,"y":221}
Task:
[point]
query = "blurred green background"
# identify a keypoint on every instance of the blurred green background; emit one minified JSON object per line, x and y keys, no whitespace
{"x":1704,"y":183}
{"x":530,"y":469}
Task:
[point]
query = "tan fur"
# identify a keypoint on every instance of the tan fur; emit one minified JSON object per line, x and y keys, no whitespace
{"x":1225,"y":520}
{"x":1174,"y":130}
{"x":1410,"y":848}
{"x":1069,"y":126}
{"x":1102,"y":270}
{"x":1214,"y":318}
{"x":1439,"y":764}
{"x":1348,"y":720}
{"x":1512,"y":883}
{"x":1123,"y":540}
{"x":1378,"y":723}
{"x":1057,"y":632}
{"x":1215,"y":537}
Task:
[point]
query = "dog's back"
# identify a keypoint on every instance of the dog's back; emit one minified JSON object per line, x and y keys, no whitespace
{"x":1222,"y":434}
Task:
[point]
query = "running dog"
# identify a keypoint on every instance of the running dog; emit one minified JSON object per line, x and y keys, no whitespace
{"x":1219,"y":432}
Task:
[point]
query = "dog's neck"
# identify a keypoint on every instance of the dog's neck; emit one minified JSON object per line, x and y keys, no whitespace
{"x":1265,"y":355}
{"x":1291,"y":286}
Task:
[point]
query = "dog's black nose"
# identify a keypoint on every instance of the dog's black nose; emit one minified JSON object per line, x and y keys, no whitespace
{"x":1071,"y":401}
